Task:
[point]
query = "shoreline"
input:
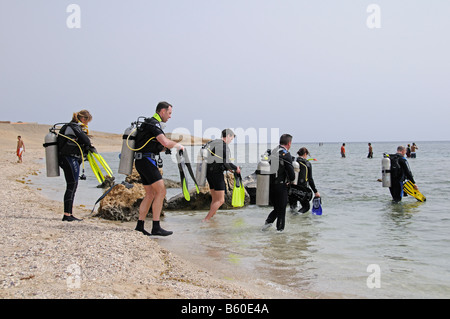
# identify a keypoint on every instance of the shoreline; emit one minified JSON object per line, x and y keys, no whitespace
{"x":44,"y":257}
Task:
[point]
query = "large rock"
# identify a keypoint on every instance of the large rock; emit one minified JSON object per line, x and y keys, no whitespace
{"x":122,"y":203}
{"x":202,"y":201}
{"x":250,"y":186}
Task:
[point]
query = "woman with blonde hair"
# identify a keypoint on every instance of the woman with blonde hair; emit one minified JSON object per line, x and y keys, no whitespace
{"x":73,"y":136}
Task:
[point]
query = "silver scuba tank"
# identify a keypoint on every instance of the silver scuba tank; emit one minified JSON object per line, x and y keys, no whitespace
{"x":127,"y":153}
{"x":296,"y":171}
{"x":200,"y":173}
{"x":51,"y":154}
{"x":386,"y":171}
{"x":263,"y":182}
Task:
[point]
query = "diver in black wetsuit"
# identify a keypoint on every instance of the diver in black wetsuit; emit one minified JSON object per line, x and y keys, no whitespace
{"x":218,"y":162}
{"x":283,"y":173}
{"x":399,"y":173}
{"x":72,"y":137}
{"x":305,"y":180}
{"x":151,"y":140}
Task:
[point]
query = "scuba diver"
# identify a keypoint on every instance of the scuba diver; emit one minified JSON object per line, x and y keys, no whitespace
{"x":73,"y":136}
{"x":400,"y":172}
{"x":151,"y":140}
{"x":218,"y":159}
{"x":304,"y":182}
{"x":282,"y":172}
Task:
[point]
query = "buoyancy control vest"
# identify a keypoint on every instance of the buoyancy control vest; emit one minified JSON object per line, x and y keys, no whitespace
{"x":396,"y":169}
{"x":69,"y":142}
{"x":281,"y":168}
{"x":147,"y":132}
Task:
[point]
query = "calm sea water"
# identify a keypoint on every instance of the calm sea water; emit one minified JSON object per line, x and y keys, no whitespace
{"x":363,"y":246}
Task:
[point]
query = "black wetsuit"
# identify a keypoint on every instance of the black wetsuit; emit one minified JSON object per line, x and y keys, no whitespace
{"x":70,"y":158}
{"x":145,"y":162}
{"x":305,"y":180}
{"x":398,"y":177}
{"x":218,"y":161}
{"x":283,"y":172}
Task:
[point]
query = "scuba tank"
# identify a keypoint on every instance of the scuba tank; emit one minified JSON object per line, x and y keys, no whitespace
{"x":52,"y":150}
{"x":200,"y":173}
{"x":386,"y":170}
{"x":127,"y":153}
{"x":296,"y":171}
{"x":51,"y":154}
{"x":263,"y":181}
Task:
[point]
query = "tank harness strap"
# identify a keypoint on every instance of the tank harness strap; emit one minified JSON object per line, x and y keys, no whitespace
{"x":49,"y":144}
{"x":306,"y":175}
{"x":125,"y":137}
{"x":151,"y":157}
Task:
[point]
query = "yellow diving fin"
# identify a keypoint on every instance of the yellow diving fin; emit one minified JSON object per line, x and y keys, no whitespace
{"x":238,"y":197}
{"x":95,"y":168}
{"x":409,"y":189}
{"x":186,"y":194}
{"x":105,"y":165}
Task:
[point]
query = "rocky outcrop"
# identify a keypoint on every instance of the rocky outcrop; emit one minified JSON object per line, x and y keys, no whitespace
{"x":122,"y":203}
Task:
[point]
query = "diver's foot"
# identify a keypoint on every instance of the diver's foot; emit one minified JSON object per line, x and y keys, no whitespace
{"x":140,"y":227}
{"x":302,"y":210}
{"x":70,"y":218}
{"x":161,"y":232}
{"x":146,"y":233}
{"x":266,"y":226}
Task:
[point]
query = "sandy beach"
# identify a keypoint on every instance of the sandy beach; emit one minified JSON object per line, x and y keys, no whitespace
{"x":43,"y":257}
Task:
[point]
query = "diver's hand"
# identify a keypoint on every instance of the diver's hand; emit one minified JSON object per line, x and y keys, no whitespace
{"x":179,"y":147}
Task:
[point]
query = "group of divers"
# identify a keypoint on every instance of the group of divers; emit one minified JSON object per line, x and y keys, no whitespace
{"x":282,"y":180}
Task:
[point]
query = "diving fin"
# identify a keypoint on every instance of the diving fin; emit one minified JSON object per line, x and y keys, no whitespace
{"x":409,"y":189}
{"x":102,"y":161}
{"x":184,"y":185}
{"x":103,"y":196}
{"x":317,"y":208}
{"x":92,"y":157}
{"x":238,"y":197}
{"x":98,"y":174}
{"x":191,"y":172}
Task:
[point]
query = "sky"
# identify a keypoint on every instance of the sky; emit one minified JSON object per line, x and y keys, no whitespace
{"x":320,"y":70}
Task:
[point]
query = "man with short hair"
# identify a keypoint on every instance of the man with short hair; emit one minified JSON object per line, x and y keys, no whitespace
{"x":400,"y":173}
{"x":283,"y":173}
{"x":151,"y":140}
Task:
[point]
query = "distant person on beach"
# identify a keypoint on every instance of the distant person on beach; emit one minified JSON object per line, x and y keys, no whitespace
{"x":70,"y":157}
{"x":305,"y":180}
{"x":218,"y":162}
{"x":400,"y":172}
{"x":413,"y":150}
{"x":370,"y":155}
{"x":281,"y":160}
{"x":20,"y":149}
{"x":151,"y":140}
{"x":343,"y":150}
